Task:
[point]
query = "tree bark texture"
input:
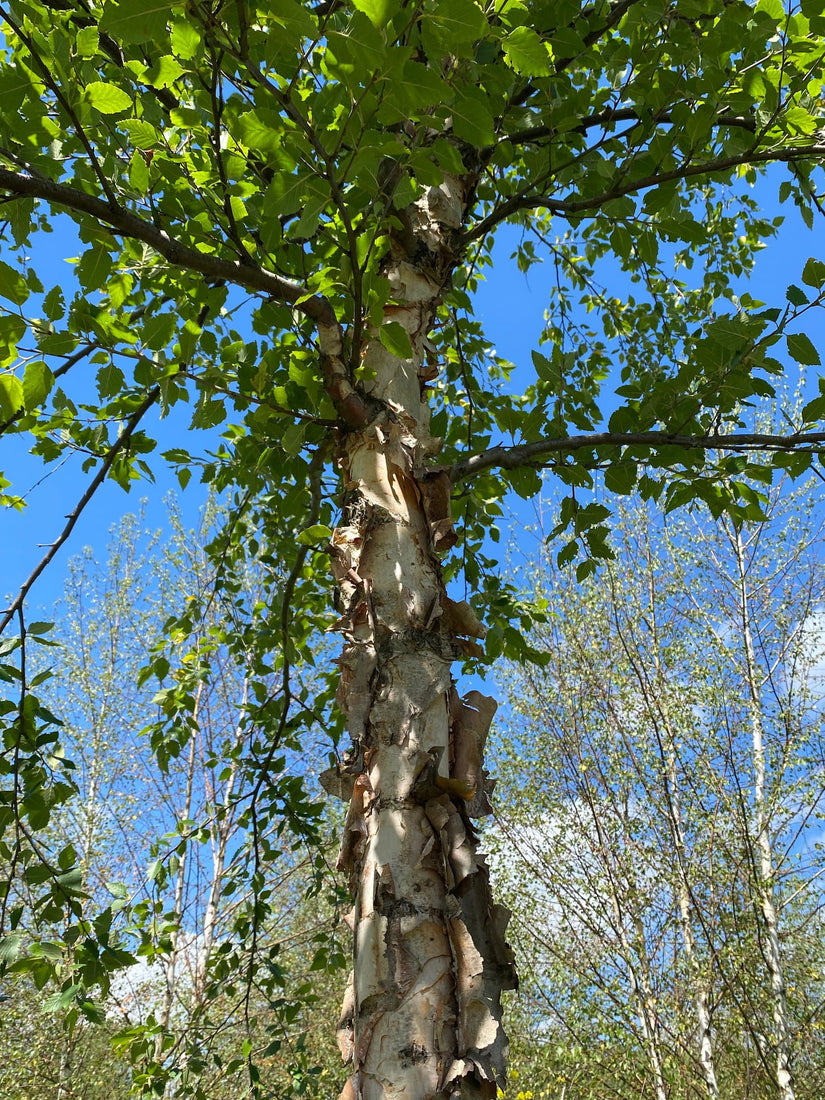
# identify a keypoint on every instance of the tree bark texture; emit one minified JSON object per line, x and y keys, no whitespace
{"x":422,"y":1014}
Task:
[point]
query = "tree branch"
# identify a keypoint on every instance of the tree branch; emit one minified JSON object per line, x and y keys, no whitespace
{"x":566,"y":207}
{"x":530,"y":454}
{"x":72,"y":518}
{"x":348,"y":402}
{"x":622,"y":114}
{"x":126,"y":224}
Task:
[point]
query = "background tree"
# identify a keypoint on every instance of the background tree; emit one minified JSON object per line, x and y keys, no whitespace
{"x":282,"y":212}
{"x":174,"y":844}
{"x":663,"y":781}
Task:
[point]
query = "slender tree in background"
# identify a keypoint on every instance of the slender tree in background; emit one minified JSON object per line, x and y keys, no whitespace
{"x":663,"y":793}
{"x":282,"y":212}
{"x":191,"y":815}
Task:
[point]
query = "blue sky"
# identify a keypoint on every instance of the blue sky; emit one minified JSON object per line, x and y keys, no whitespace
{"x":510,"y":304}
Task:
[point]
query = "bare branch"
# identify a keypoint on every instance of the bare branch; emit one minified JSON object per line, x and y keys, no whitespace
{"x":532,"y":454}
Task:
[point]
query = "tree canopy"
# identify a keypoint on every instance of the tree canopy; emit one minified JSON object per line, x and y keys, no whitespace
{"x":283,"y":211}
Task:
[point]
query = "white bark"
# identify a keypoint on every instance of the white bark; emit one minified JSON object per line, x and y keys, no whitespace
{"x":623,"y":905}
{"x":171,"y":972}
{"x":701,"y":999}
{"x":422,"y":1016}
{"x":764,"y":850}
{"x":673,"y":811}
{"x":223,"y":828}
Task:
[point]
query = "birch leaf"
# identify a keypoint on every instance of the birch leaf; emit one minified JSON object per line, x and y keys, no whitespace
{"x":109,"y":99}
{"x":526,"y":53}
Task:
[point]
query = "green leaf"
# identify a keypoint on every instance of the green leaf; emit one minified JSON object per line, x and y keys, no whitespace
{"x":379,"y":12}
{"x":136,"y":21}
{"x":163,"y":71}
{"x":71,"y":881}
{"x":109,"y":99}
{"x":12,"y":285}
{"x":292,"y":440}
{"x":585,"y":569}
{"x":813,"y":274}
{"x":261,"y":130}
{"x":307,"y":225}
{"x":546,"y":369}
{"x":812,"y":9}
{"x":186,"y":39}
{"x":92,"y":1012}
{"x":94,"y":268}
{"x":796,"y":295}
{"x":37,"y":384}
{"x":802,"y":350}
{"x":53,"y":305}
{"x":157,"y":332}
{"x":814,"y":411}
{"x":10,"y":947}
{"x":142,"y":134}
{"x":51,"y":951}
{"x":800,"y":121}
{"x":311,"y":536}
{"x":290,"y":193}
{"x":567,"y":553}
{"x":472,"y":117}
{"x":451,"y":25}
{"x":20,"y":214}
{"x":11,"y":396}
{"x":139,"y":173}
{"x":621,"y":477}
{"x":419,"y":86}
{"x":58,"y":1001}
{"x":525,"y":52}
{"x":395,"y":339}
{"x":39,"y":628}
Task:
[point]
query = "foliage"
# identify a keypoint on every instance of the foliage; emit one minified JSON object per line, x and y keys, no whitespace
{"x":174,"y":845}
{"x":629,"y":828}
{"x":238,"y":187}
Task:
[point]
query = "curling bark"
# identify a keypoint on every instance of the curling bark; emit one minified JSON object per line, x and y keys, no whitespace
{"x":422,"y":1014}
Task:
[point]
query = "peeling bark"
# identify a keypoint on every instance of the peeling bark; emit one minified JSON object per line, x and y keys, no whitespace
{"x":422,"y":1016}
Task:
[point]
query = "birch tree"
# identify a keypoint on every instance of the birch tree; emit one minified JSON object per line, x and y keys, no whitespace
{"x":660,"y":811}
{"x":281,"y":213}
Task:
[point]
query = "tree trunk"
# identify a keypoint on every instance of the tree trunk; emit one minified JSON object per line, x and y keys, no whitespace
{"x":658,"y":700}
{"x":178,"y":950}
{"x":699,"y":982}
{"x":766,"y":886}
{"x":624,"y":905}
{"x":422,"y":1015}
